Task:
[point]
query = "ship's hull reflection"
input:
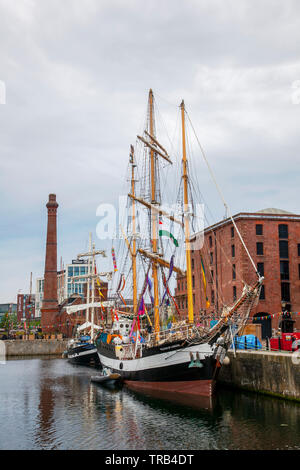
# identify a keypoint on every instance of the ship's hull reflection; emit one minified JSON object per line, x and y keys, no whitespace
{"x":195,"y":402}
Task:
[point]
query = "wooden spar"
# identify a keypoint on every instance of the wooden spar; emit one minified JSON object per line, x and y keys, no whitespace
{"x":156,"y":208}
{"x":154,"y":215}
{"x":154,"y":149}
{"x":126,"y":241}
{"x":186,"y":221}
{"x":157,"y":143}
{"x":133,"y":233}
{"x":161,"y":261}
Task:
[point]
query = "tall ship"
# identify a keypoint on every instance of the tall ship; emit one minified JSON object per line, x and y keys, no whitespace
{"x":147,"y":344}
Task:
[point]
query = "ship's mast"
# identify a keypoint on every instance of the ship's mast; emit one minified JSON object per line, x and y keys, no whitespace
{"x":153,"y":216}
{"x":88,"y":282}
{"x":186,"y":220}
{"x":93,"y":293}
{"x":133,"y":252}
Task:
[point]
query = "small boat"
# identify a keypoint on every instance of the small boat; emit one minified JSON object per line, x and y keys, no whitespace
{"x":106,"y":378}
{"x":81,"y":349}
{"x":82,"y":352}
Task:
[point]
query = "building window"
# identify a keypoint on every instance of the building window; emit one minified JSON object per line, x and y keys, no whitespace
{"x":298,"y":249}
{"x":232,"y":251}
{"x":210,"y":241}
{"x":211,"y":258}
{"x":259,"y":248}
{"x":212,"y":275}
{"x":259,"y":229}
{"x":261,"y":269}
{"x":193,"y":281}
{"x":232,"y":232}
{"x":262,"y":293}
{"x":285,"y":292}
{"x":193,"y":264}
{"x":283,"y":249}
{"x":234,"y":293}
{"x":299,"y":271}
{"x":233,"y":272}
{"x":284,"y":271}
{"x":212,"y":297}
{"x":283,"y":231}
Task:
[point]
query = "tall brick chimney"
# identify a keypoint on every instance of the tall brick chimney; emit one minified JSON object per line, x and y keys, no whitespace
{"x":49,"y":308}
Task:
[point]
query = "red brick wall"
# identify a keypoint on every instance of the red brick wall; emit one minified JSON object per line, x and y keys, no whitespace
{"x":223,"y":261}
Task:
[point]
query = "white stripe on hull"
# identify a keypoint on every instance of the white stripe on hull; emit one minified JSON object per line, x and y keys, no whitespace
{"x":83,"y":353}
{"x":167,"y":359}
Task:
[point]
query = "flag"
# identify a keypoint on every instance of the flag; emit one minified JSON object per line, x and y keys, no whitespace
{"x":204,"y":283}
{"x":163,"y":232}
{"x":114,"y":260}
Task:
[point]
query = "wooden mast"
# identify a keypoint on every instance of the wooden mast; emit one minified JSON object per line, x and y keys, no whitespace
{"x":153,"y":216}
{"x":133,"y":251}
{"x":87,"y":316}
{"x":186,"y":221}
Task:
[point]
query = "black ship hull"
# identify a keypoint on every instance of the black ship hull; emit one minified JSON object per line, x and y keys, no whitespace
{"x":170,"y":367}
{"x":85,"y":354}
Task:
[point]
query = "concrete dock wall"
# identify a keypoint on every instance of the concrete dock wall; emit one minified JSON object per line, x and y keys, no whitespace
{"x":273,"y":373}
{"x":38,"y":347}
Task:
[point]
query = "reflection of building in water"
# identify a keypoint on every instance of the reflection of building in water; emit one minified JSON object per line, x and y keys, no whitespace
{"x":255,"y":422}
{"x":45,"y":419}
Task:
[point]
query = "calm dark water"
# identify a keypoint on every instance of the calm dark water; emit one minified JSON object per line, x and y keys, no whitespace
{"x":50,"y":404}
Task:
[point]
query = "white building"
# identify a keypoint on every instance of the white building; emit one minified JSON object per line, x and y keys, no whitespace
{"x":65,"y":286}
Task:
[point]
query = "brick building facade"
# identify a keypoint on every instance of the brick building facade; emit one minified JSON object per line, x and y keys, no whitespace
{"x":25,"y":307}
{"x":272,"y":237}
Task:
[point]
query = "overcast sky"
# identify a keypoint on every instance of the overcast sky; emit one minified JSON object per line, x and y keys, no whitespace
{"x":77,"y":74}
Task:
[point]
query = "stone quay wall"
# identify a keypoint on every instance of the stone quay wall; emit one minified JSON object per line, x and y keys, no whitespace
{"x":273,"y":373}
{"x":37,"y":347}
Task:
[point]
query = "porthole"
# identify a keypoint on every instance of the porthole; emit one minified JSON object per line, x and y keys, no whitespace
{"x":121,"y":365}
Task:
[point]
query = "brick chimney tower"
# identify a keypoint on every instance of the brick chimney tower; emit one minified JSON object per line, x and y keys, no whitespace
{"x":49,"y":308}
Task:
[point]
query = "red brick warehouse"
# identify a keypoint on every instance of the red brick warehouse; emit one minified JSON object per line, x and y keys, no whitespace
{"x":272,"y":237}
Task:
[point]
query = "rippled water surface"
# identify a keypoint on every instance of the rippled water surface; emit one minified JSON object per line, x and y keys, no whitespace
{"x":51,"y":404}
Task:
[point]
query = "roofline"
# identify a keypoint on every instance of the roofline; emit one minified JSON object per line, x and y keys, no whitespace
{"x":251,"y":215}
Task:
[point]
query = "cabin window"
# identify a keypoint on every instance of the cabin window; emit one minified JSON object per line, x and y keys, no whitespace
{"x":259,"y":229}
